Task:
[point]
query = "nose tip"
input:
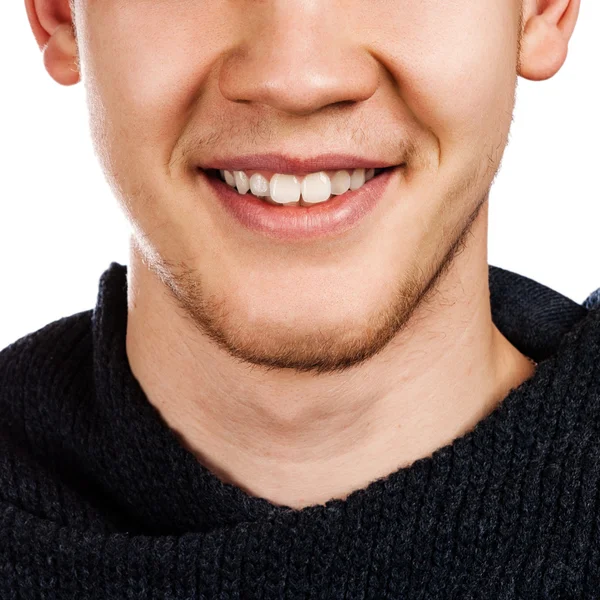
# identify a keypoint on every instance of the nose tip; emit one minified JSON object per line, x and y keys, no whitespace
{"x":299,"y":71}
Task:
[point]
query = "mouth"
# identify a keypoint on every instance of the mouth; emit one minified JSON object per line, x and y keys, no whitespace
{"x":300,"y":190}
{"x":299,"y":207}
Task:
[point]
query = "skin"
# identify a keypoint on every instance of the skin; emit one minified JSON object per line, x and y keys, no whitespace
{"x":303,"y":371}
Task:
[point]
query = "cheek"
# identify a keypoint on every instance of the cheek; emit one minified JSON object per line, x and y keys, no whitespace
{"x":146,"y":71}
{"x":456,"y":66}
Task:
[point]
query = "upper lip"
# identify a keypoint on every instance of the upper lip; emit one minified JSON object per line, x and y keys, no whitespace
{"x":279,"y":163}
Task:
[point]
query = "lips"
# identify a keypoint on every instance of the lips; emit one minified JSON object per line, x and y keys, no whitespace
{"x":299,"y":223}
{"x":279,"y":163}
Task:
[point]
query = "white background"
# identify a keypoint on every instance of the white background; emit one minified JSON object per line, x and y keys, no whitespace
{"x":60,"y":226}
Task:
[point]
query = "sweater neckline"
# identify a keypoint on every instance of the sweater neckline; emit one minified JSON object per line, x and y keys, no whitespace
{"x":157,"y":486}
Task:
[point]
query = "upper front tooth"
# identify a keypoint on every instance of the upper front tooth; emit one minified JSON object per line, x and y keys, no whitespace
{"x":284,"y":189}
{"x":316,"y":187}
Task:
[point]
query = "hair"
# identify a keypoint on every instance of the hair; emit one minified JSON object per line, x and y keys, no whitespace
{"x":520,"y":38}
{"x":73,"y":26}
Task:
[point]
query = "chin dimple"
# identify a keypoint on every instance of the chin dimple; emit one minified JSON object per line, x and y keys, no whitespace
{"x":311,"y":189}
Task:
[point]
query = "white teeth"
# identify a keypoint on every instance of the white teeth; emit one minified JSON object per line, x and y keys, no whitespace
{"x":357,"y":179}
{"x":340,"y":183}
{"x":316,"y":188}
{"x":259,"y":185}
{"x":241,"y":181}
{"x":289,"y":189}
{"x":229,"y":178}
{"x":284,"y":189}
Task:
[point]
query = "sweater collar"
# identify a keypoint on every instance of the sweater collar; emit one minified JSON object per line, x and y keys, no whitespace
{"x":533,"y":317}
{"x":157,"y":486}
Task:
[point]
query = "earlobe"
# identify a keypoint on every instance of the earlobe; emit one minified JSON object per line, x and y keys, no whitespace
{"x":545,"y":39}
{"x":51,"y":23}
{"x":543,"y":51}
{"x":60,"y":55}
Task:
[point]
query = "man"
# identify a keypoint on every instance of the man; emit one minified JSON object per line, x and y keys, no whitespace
{"x":304,"y":384}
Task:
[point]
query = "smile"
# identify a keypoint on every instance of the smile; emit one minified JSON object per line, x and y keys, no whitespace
{"x":277,"y":206}
{"x":293,"y":190}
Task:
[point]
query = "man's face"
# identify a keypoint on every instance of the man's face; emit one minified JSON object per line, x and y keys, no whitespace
{"x":174,"y":84}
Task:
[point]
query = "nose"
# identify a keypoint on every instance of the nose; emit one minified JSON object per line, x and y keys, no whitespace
{"x":296,"y":56}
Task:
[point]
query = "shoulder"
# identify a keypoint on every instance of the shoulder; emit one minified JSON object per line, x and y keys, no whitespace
{"x":36,"y":366}
{"x":46,"y":390}
{"x":41,"y":348}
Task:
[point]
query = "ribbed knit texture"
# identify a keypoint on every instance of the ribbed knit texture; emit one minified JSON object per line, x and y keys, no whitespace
{"x":100,"y":500}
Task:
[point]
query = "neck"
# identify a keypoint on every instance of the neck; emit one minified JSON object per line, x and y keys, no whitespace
{"x":300,"y":439}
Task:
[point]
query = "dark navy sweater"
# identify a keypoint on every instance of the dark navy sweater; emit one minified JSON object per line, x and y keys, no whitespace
{"x":100,"y":500}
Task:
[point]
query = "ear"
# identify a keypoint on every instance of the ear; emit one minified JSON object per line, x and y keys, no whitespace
{"x":52,"y":25}
{"x":547,"y":29}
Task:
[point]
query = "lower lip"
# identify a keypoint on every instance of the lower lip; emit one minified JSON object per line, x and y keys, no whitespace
{"x":333,"y":217}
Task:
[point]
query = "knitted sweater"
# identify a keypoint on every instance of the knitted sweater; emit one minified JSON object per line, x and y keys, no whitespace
{"x":100,"y":500}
